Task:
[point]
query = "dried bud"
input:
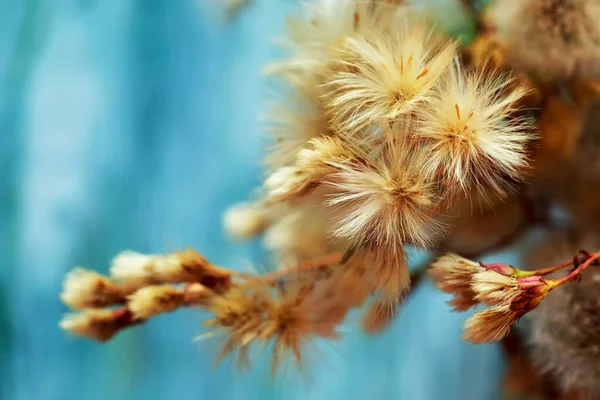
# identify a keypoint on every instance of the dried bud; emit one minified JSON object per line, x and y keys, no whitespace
{"x":180,"y":267}
{"x":489,"y":325}
{"x":494,"y":288}
{"x":153,"y":300}
{"x":88,"y":289}
{"x":512,"y":298}
{"x":101,"y":325}
{"x":453,"y":274}
{"x":244,"y":221}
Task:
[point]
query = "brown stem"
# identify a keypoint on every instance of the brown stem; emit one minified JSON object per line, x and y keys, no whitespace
{"x":308,"y":265}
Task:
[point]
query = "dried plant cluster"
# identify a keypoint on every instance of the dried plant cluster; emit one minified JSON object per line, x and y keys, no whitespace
{"x":393,"y":134}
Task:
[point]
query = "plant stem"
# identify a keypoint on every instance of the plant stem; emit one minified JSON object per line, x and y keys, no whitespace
{"x":579,"y":269}
{"x":308,"y":265}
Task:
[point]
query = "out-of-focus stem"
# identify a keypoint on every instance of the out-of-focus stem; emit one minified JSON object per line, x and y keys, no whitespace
{"x":308,"y":265}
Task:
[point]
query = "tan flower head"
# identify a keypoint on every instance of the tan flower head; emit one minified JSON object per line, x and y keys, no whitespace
{"x":493,"y":288}
{"x":321,"y":157}
{"x":101,"y":324}
{"x":384,"y":73}
{"x":313,"y":38}
{"x":511,"y":301}
{"x":472,"y":136}
{"x":490,"y":325}
{"x":385,"y":270}
{"x":385,"y":200}
{"x":87,"y":289}
{"x":179,"y":267}
{"x":153,"y":300}
{"x":246,"y":220}
{"x":453,"y":274}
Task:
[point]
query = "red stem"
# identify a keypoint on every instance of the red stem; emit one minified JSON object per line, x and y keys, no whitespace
{"x":579,"y":269}
{"x":549,"y":270}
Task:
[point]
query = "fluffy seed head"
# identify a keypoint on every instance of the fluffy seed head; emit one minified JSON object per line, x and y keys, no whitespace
{"x":470,"y":131}
{"x":384,"y":73}
{"x":385,"y":200}
{"x":131,"y":265}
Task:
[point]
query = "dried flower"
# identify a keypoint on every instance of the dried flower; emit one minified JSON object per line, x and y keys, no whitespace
{"x":386,"y":201}
{"x":321,"y":157}
{"x":292,"y":122}
{"x":384,"y":73}
{"x":385,"y":270}
{"x":379,"y":315}
{"x":471,"y":137}
{"x":87,"y":289}
{"x":183,"y":266}
{"x":512,"y":301}
{"x":98,"y":324}
{"x":453,"y":274}
{"x":489,"y":325}
{"x":493,"y":288}
{"x":153,"y":300}
{"x":244,"y":221}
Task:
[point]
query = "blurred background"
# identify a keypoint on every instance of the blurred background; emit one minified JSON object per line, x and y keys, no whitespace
{"x":132,"y":125}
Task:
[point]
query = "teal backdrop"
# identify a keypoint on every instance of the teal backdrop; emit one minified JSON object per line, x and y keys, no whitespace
{"x":131,"y":124}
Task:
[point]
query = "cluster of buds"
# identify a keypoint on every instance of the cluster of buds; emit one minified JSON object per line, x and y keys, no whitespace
{"x":140,"y":286}
{"x":509,"y":292}
{"x":288,"y":307}
{"x":385,"y":130}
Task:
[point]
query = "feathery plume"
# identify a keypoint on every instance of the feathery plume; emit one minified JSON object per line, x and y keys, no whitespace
{"x":384,"y":270}
{"x":489,"y":325}
{"x":470,"y":137}
{"x":453,"y":274}
{"x":386,"y":200}
{"x":493,"y":288}
{"x":384,"y":73}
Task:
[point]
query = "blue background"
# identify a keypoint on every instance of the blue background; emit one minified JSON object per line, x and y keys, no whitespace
{"x":132,"y":124}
